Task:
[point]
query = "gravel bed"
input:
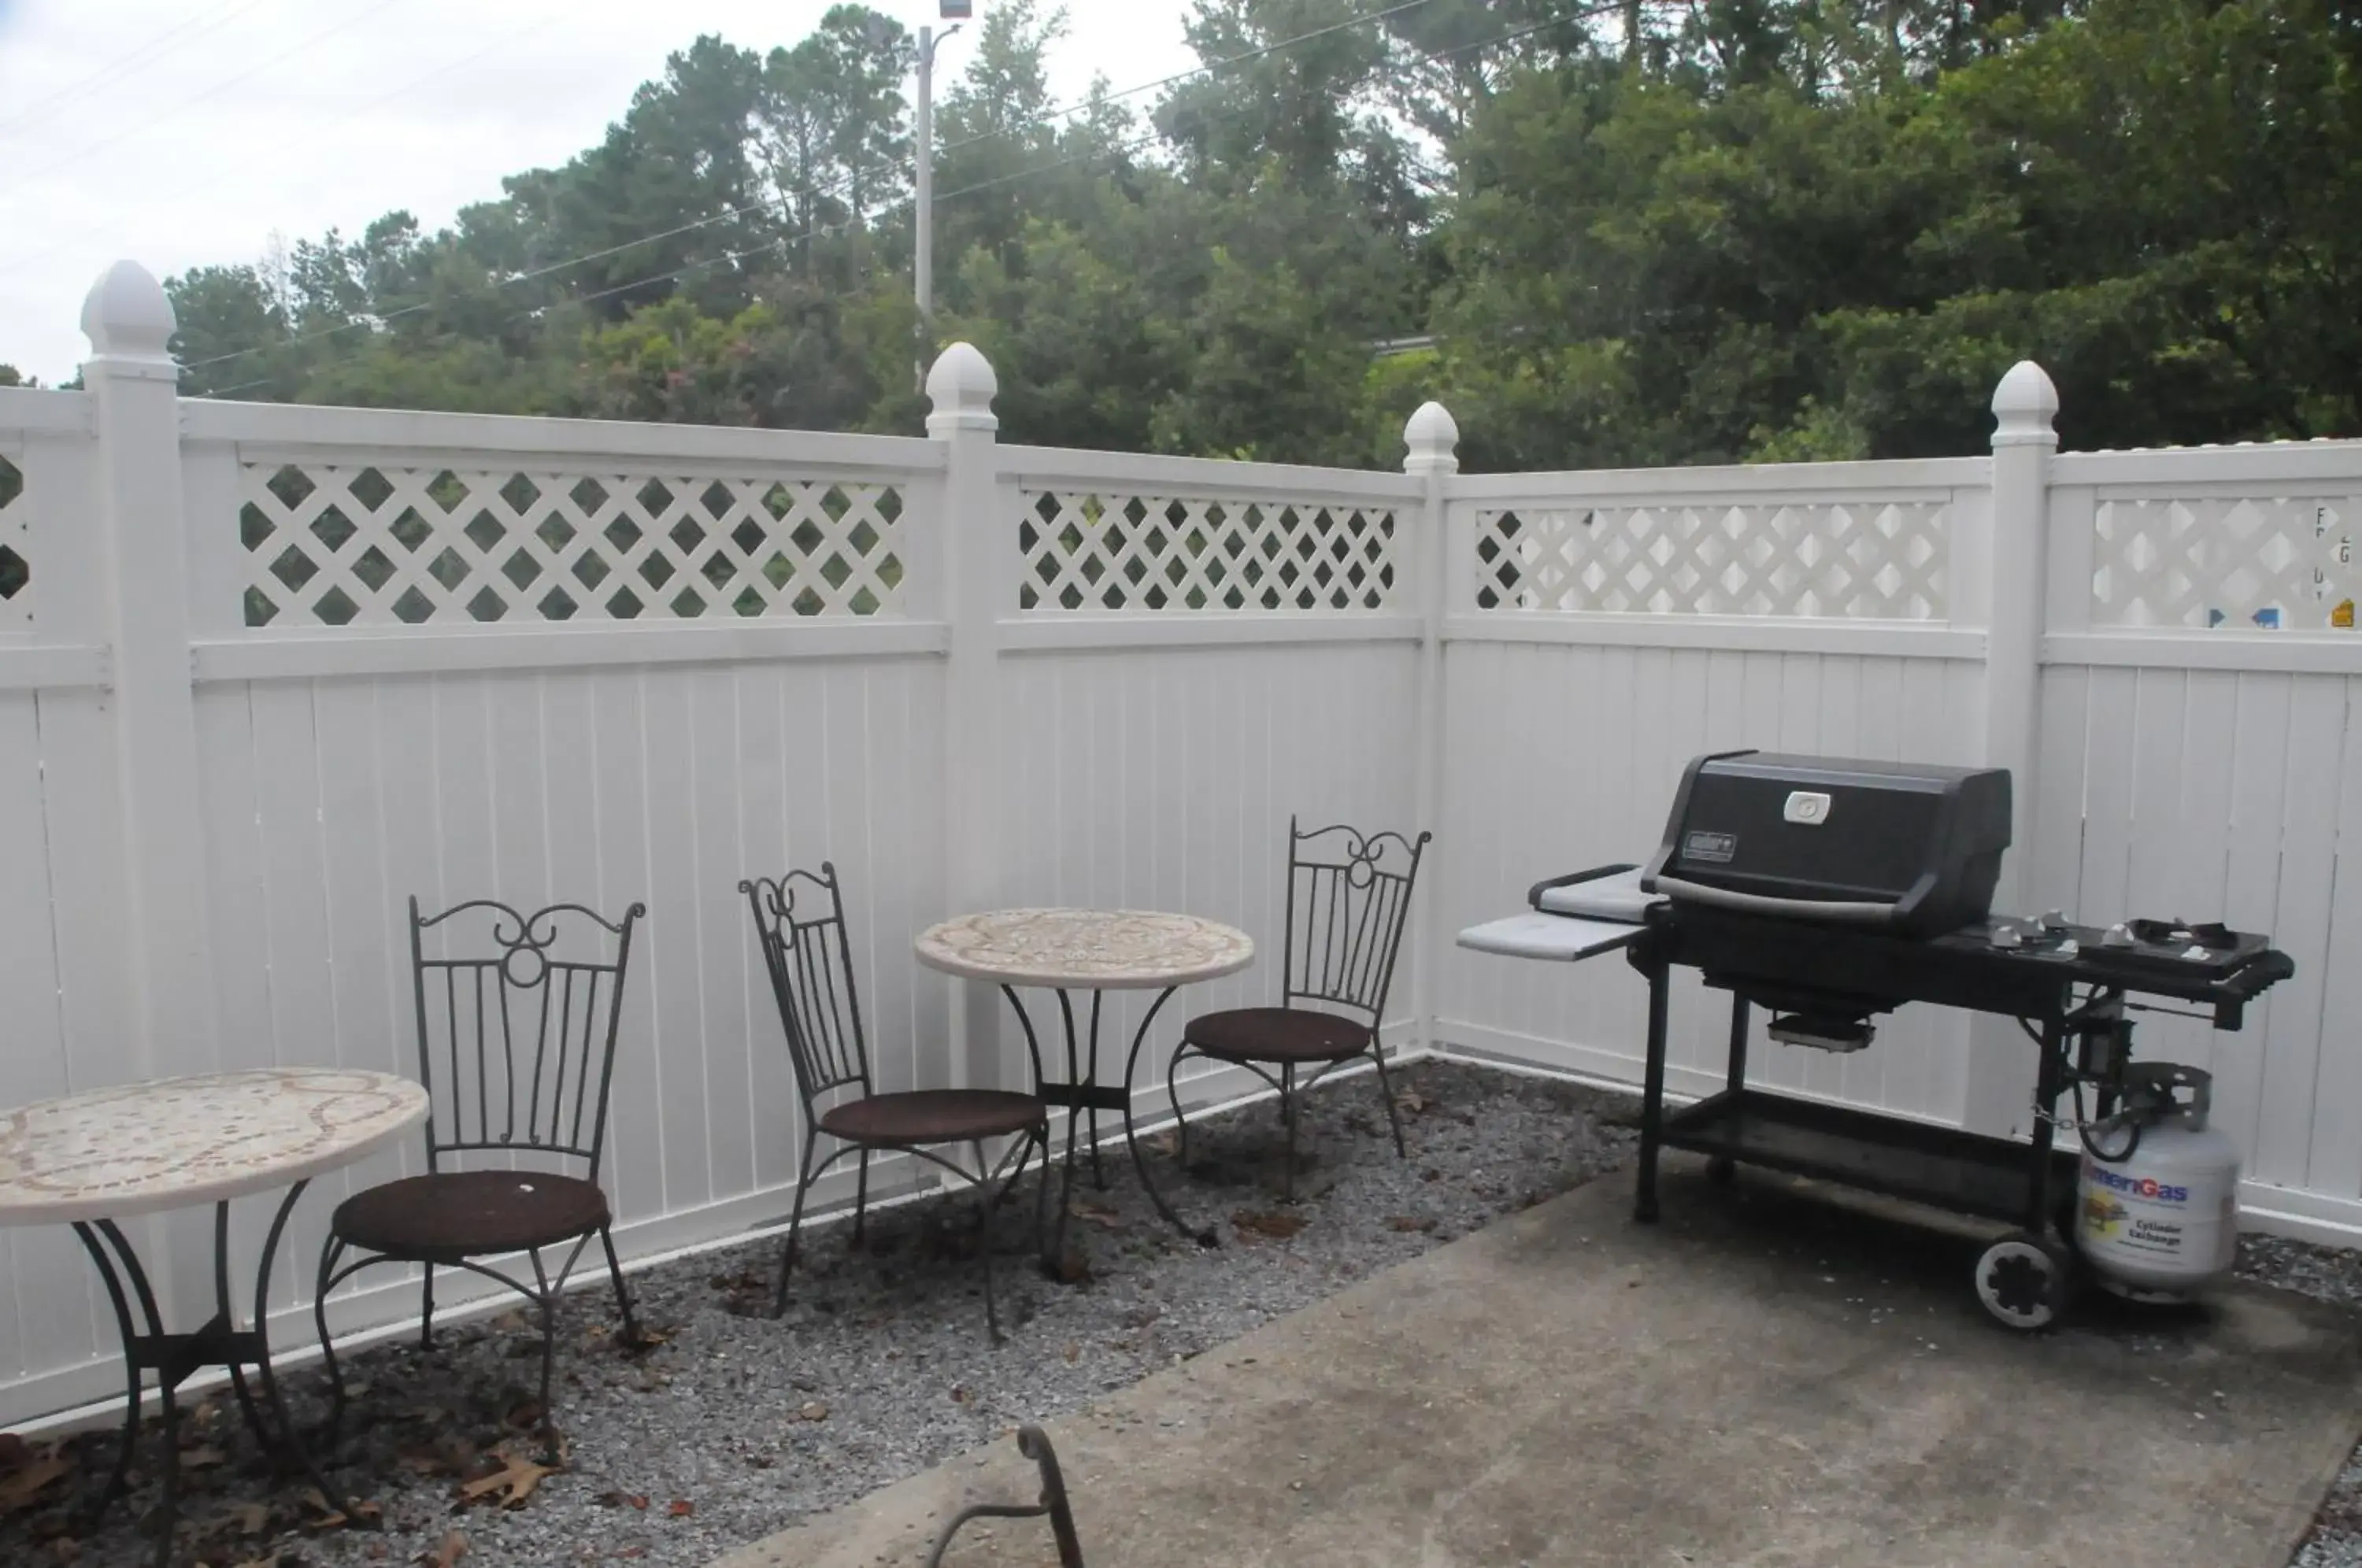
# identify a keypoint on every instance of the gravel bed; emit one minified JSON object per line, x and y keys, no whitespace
{"x":2331,"y":1274}
{"x":733,"y":1424}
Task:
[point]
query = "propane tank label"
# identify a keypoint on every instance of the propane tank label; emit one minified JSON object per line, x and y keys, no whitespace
{"x":2138,"y":1220}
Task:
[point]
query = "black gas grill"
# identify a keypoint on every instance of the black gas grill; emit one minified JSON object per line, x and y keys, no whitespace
{"x":1832,"y":892}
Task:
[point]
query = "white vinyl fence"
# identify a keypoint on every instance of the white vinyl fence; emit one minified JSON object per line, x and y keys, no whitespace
{"x":265,"y":671}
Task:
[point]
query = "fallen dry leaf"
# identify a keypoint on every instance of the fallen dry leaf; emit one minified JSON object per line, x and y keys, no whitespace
{"x":22,"y":1486}
{"x":524,"y":1418}
{"x":1276,"y":1226}
{"x":642,"y":1340}
{"x":205,"y":1456}
{"x":332,"y":1517}
{"x":1096,"y":1213}
{"x":814,"y":1411}
{"x":510,"y":1484}
{"x":681,"y":1507}
{"x":235,"y":1519}
{"x":959,"y":1393}
{"x":454,"y":1547}
{"x":1167,"y":1143}
{"x":1073,"y":1352}
{"x":1410,"y":1222}
{"x":1411,"y":1100}
{"x":623,"y":1500}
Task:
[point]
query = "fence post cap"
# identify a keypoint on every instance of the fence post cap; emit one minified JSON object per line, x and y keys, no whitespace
{"x":2024,"y":406}
{"x":1433,"y":440}
{"x":127,"y":314}
{"x":962,"y":387}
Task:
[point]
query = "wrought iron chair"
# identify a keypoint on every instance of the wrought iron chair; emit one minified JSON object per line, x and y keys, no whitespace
{"x":1348,"y":902}
{"x":517,"y":1046}
{"x":799,"y":924}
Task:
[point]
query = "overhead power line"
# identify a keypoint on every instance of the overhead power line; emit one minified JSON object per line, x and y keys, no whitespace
{"x":854,"y":178}
{"x":354,"y":112}
{"x":817,"y":231}
{"x":129,"y":64}
{"x":213,"y":92}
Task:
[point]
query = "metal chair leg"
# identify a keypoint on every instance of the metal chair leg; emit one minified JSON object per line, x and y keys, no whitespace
{"x":1287,"y":1116}
{"x":623,"y":1297}
{"x":861,"y":1198}
{"x":984,"y":1202}
{"x":795,"y":1224}
{"x":169,"y":1509}
{"x":548,"y":1365}
{"x":1039,"y":1137}
{"x":1387,"y":1093}
{"x":427,"y":1311}
{"x":329,"y":1253}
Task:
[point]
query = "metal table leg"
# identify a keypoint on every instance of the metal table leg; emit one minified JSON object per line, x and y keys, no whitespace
{"x":1082,"y":1094}
{"x":174,"y":1358}
{"x":1206,"y":1237}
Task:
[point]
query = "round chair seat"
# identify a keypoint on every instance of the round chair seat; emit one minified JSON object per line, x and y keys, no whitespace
{"x":455,"y":1215}
{"x":1283,"y":1034}
{"x":920,"y":1117}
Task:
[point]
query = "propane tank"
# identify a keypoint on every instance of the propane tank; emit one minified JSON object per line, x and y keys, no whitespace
{"x":2157,"y":1216}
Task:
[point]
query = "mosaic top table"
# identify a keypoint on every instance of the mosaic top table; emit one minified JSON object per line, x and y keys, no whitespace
{"x":93,"y":1160}
{"x":1069,"y":950}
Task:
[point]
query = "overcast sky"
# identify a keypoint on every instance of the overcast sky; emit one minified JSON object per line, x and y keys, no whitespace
{"x":179,"y":132}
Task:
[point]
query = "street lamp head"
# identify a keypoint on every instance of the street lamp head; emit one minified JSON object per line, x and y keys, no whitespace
{"x":958,"y":10}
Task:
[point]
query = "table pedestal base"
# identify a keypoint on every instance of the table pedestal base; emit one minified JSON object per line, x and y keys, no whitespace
{"x":1082,"y":1095}
{"x":174,"y":1358}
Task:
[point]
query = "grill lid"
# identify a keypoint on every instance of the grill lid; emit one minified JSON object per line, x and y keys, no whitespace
{"x":1908,"y":847}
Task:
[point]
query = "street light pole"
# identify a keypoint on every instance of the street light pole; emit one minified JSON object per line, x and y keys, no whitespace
{"x":924,"y":268}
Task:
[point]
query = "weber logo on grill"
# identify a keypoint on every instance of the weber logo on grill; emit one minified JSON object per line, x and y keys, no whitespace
{"x":1718,"y":848}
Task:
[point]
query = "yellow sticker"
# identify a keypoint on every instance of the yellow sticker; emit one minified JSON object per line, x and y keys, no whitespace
{"x":2343,"y":615}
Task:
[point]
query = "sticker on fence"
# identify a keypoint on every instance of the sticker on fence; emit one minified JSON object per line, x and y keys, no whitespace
{"x":1088,"y":550}
{"x":2241,"y":562}
{"x":1871,"y":560}
{"x":338,"y":546}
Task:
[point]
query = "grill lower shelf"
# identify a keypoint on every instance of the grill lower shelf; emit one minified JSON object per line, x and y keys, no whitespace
{"x":1941,"y":1166}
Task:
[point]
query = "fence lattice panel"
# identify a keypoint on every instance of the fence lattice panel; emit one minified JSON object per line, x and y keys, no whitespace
{"x":1878,"y":560}
{"x":2237,"y":561}
{"x":1102,"y":550}
{"x":16,"y":549}
{"x":382,"y":544}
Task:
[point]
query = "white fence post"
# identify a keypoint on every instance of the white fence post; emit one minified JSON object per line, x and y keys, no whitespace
{"x":145,"y":585}
{"x":1432,"y":440}
{"x":2026,"y":403}
{"x":973,"y":560}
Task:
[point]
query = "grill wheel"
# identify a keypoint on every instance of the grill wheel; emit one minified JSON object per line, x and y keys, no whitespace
{"x":2023,"y":1279}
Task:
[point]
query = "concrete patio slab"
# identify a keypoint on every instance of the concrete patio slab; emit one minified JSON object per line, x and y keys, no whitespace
{"x":1774,"y":1378}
